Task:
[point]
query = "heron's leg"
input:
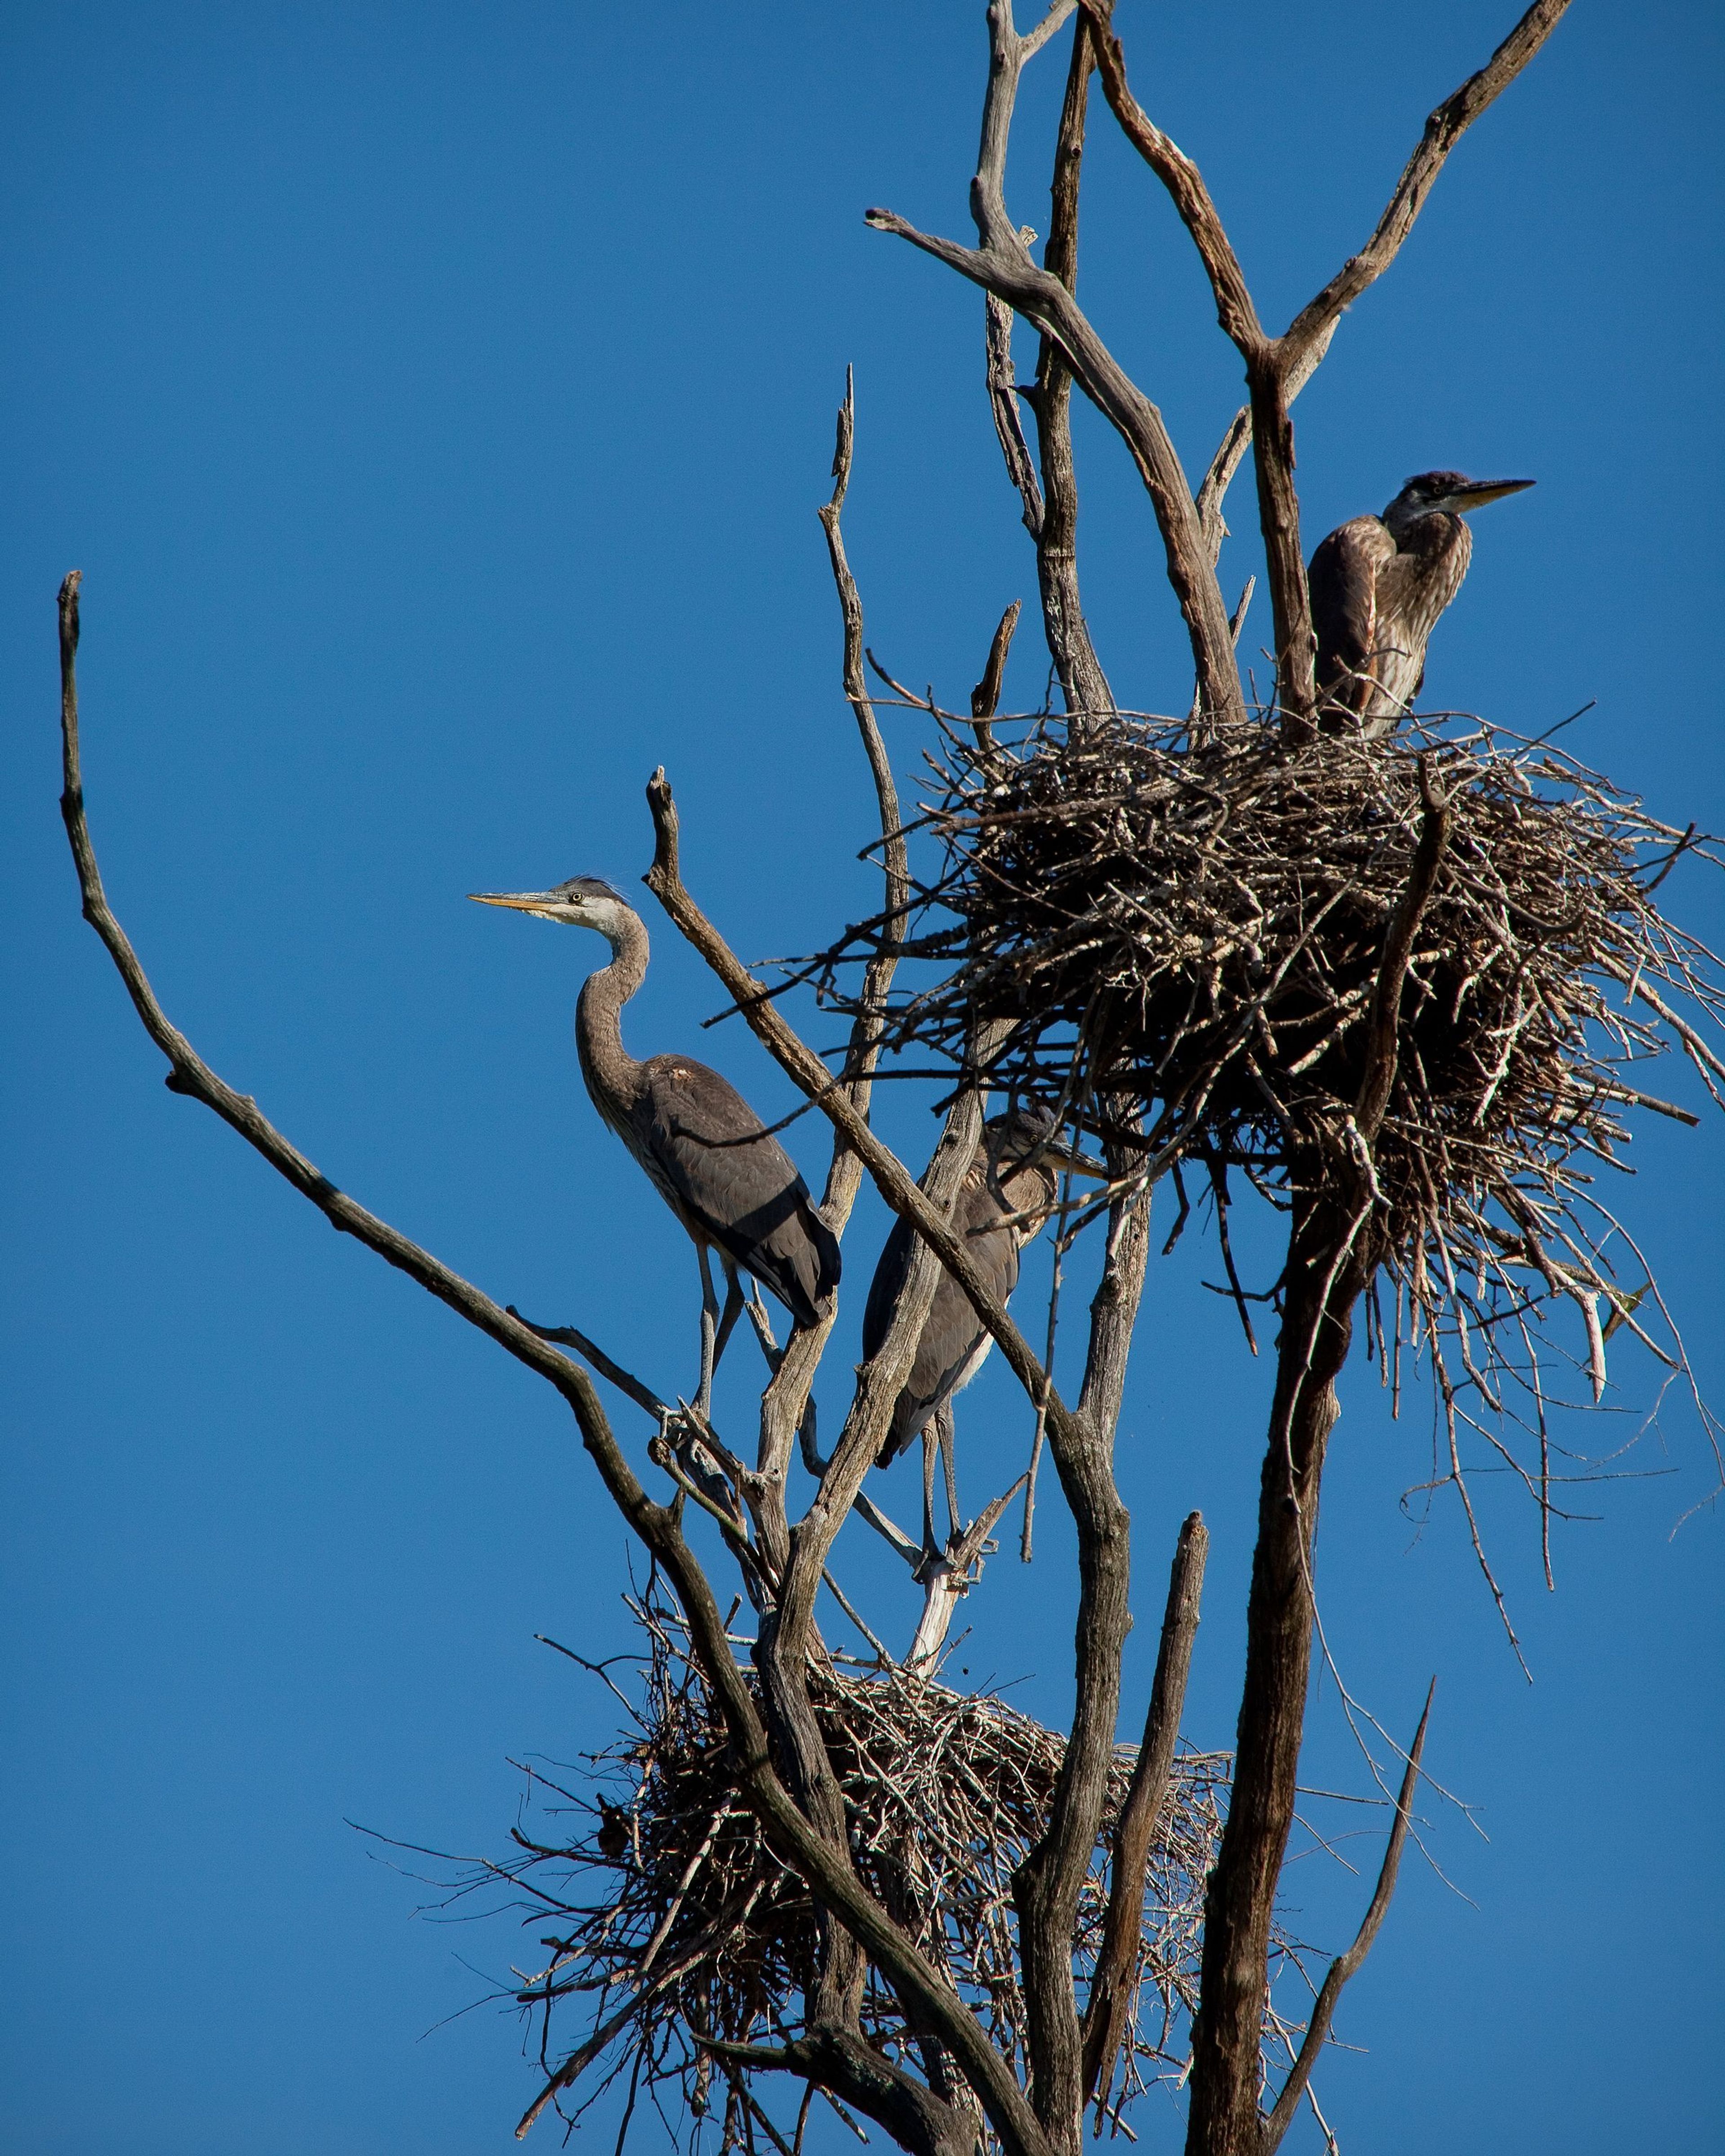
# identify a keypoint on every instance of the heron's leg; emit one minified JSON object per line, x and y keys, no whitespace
{"x":943,"y":1426}
{"x":732,"y":1310}
{"x":931,"y":1547}
{"x":709,"y":1333}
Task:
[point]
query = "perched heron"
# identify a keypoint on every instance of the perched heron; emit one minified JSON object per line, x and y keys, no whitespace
{"x":1008,"y":1190}
{"x":1378,"y":584}
{"x":727,"y":1179}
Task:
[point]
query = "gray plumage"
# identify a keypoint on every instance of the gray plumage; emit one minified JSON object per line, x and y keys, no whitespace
{"x":731,"y":1183}
{"x":1379,"y":585}
{"x":1001,"y":1180}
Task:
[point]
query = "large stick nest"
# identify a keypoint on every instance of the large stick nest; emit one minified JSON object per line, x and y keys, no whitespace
{"x":1187,"y":940}
{"x":673,"y":1923}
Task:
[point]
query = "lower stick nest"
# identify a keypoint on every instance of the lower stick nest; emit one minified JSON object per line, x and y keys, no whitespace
{"x":674,"y":1921}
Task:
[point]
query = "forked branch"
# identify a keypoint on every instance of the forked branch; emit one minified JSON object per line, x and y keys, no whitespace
{"x":1277,"y":368}
{"x":1002,"y":265}
{"x":1112,"y":1984}
{"x":1346,"y":1965}
{"x":1184,"y":183}
{"x":1444,"y":129}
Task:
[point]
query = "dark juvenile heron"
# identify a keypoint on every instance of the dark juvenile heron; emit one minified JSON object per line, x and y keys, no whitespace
{"x":727,"y":1179}
{"x":1378,"y":584}
{"x":1008,"y":1190}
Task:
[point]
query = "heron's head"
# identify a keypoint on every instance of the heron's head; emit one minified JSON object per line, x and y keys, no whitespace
{"x":1453,"y":491}
{"x":582,"y":902}
{"x":1023,"y":1134}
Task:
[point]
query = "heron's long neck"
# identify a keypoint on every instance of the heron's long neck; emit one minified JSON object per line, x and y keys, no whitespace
{"x":612,"y":1076}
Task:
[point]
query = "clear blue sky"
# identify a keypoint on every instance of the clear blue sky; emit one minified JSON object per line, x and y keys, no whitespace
{"x":436,"y":399}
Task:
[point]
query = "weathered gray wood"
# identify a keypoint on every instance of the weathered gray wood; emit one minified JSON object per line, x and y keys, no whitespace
{"x":1111,"y":1982}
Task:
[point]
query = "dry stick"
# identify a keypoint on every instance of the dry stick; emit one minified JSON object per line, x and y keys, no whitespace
{"x":1002,"y":265}
{"x":581,"y":2058}
{"x":787,"y":1634}
{"x":1112,"y":1982}
{"x":785,"y":1405}
{"x":948,"y":1578}
{"x":1444,"y":129}
{"x":1052,"y":1879}
{"x":1084,"y":685}
{"x":882,"y":1378}
{"x":827,"y":1872}
{"x":1230,"y":450}
{"x":566,"y":1336}
{"x":1347,"y":1964}
{"x":985,"y":697}
{"x":1234,"y":310}
{"x":1266,"y":366}
{"x":1001,"y":377}
{"x":1429,"y":852}
{"x":844,"y":1602}
{"x":1040,"y":1433}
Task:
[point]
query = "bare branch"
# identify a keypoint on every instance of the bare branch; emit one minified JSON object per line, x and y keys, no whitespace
{"x":1266,"y":369}
{"x":1328,"y":1263}
{"x":1014,"y":277}
{"x":1346,"y":1965}
{"x":835,"y":2060}
{"x":1083,"y":683}
{"x":1444,"y":129}
{"x":844,"y":1176}
{"x":1003,"y":266}
{"x":189,"y":1074}
{"x":787,"y":1631}
{"x":1112,"y":1980}
{"x":785,"y":1405}
{"x":1033,"y":42}
{"x":566,"y":1336}
{"x":1231,"y":455}
{"x":1230,"y":451}
{"x":985,"y":696}
{"x":1002,"y":378}
{"x":1183,"y":181}
{"x":948,"y":1578}
{"x":1052,"y":1878}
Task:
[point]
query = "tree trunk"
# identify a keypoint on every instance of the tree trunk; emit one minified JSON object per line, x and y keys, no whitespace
{"x":1328,"y":1269}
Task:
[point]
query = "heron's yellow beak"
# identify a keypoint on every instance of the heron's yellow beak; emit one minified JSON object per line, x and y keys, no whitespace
{"x":541,"y":902}
{"x":1478,"y":492}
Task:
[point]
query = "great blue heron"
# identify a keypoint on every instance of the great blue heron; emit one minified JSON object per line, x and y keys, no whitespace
{"x":1378,"y":584}
{"x":1008,"y":1189}
{"x":731,"y":1183}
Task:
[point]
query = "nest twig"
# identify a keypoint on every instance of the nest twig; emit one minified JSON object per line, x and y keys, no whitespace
{"x":679,"y":1930}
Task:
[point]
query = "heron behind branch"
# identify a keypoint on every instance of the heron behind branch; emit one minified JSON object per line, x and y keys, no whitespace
{"x":1378,"y":584}
{"x":1008,"y":1192}
{"x":727,"y":1179}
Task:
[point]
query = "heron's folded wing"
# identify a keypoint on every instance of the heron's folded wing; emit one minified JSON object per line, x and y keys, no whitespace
{"x":954,"y":1342}
{"x":737,"y":1186}
{"x":1343,"y":583}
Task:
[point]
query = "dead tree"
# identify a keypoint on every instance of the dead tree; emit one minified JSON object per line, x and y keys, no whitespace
{"x":1396,"y":986}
